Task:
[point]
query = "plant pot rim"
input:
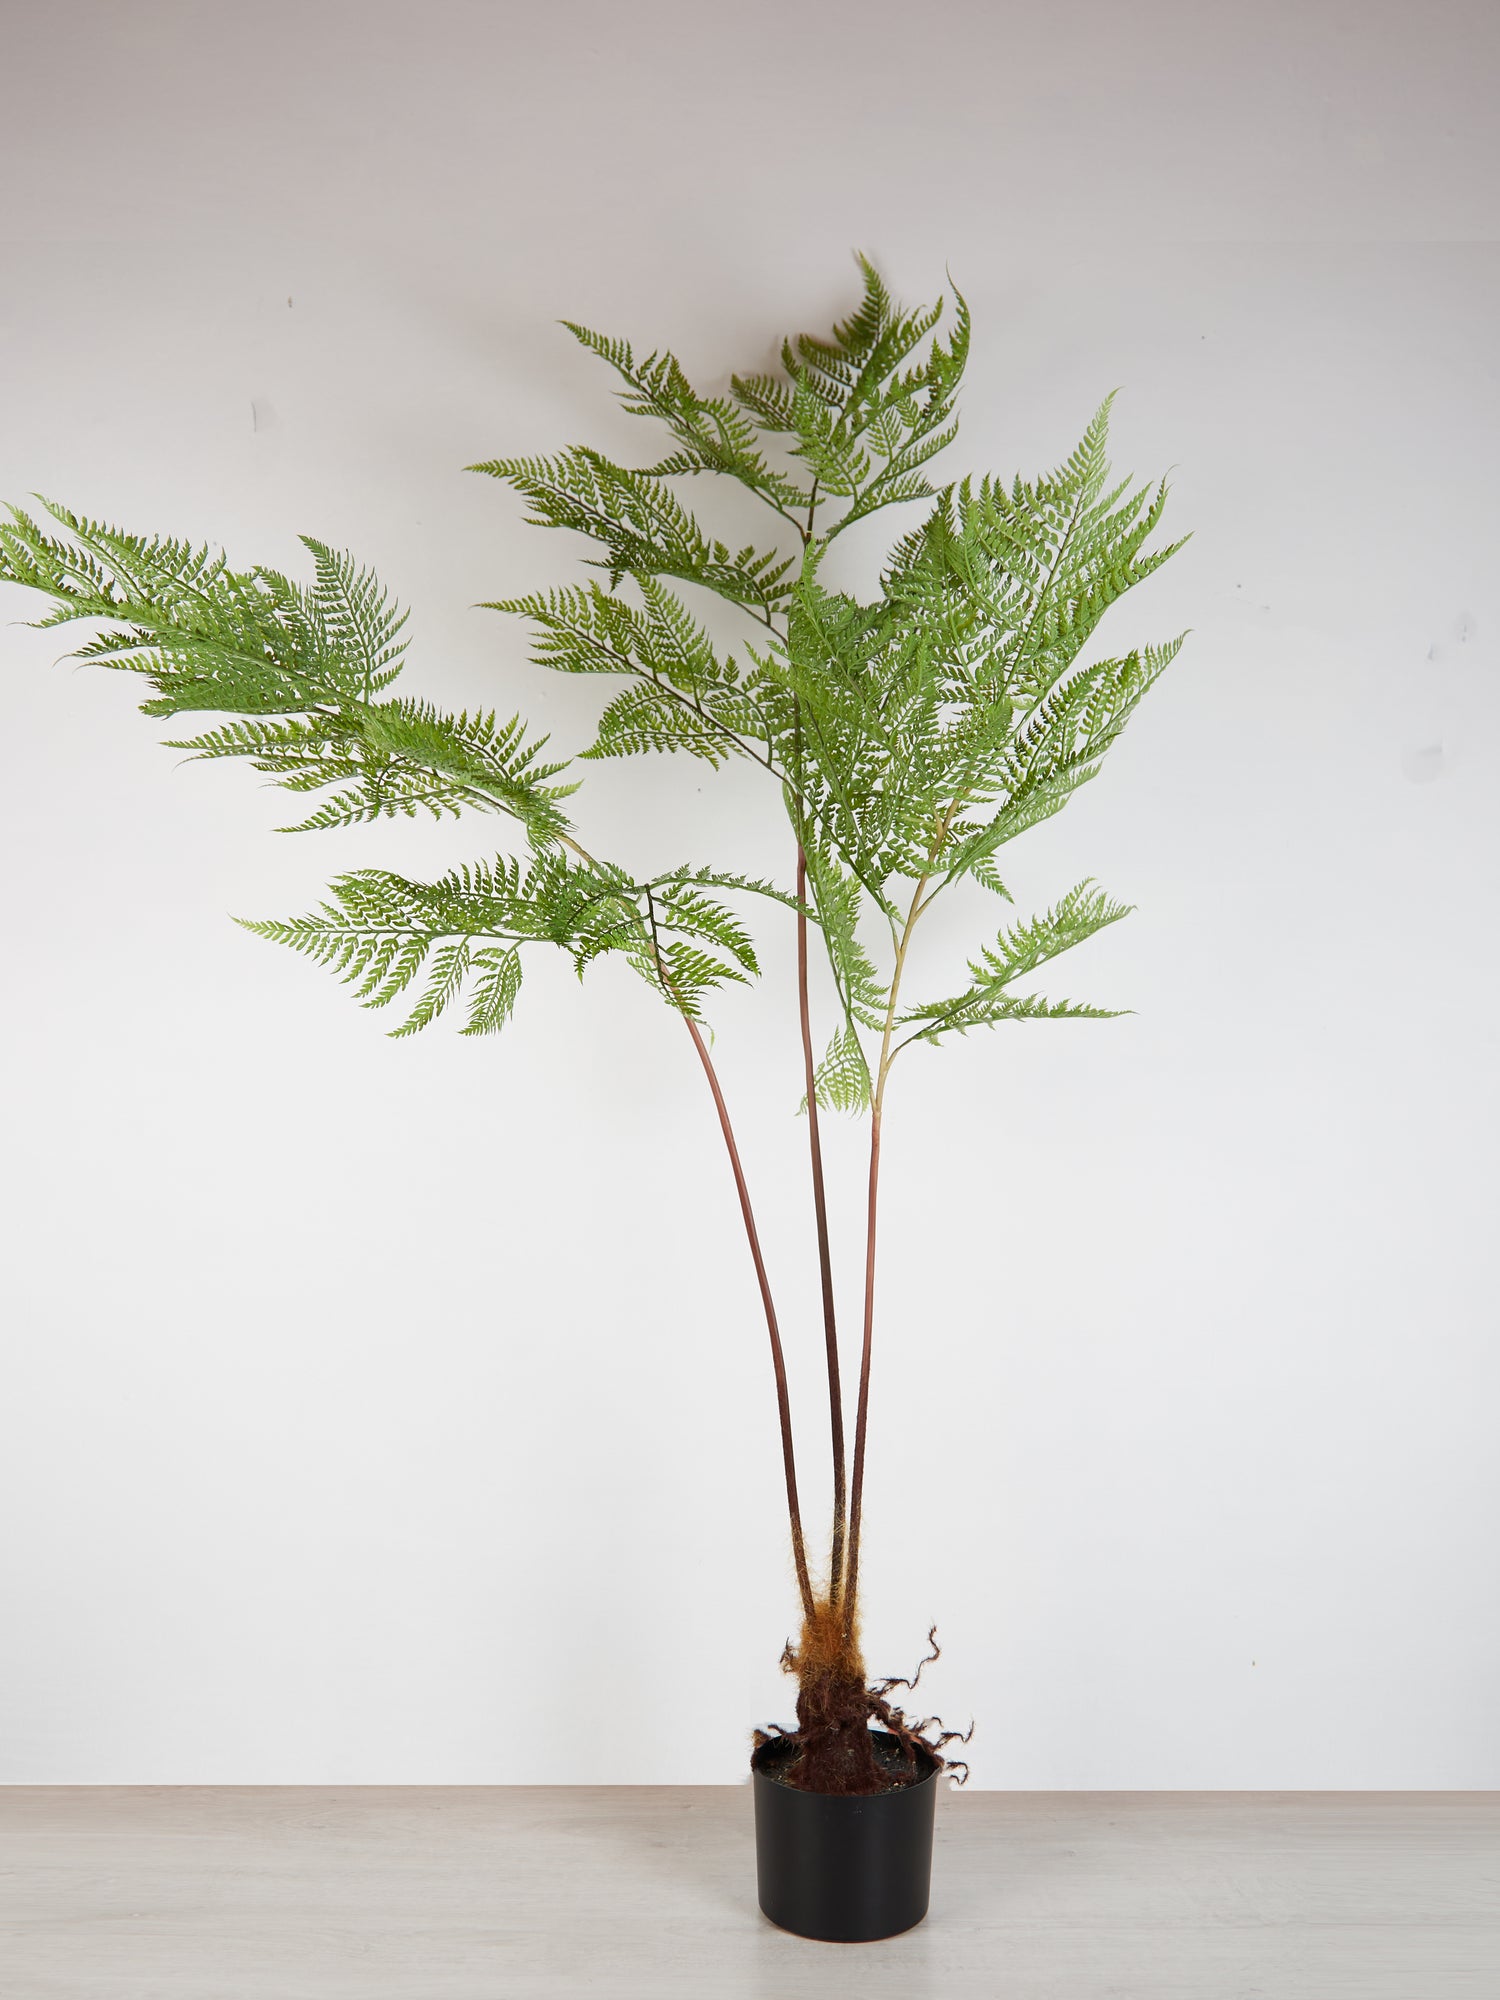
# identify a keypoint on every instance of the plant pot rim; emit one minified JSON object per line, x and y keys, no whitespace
{"x":765,"y":1754}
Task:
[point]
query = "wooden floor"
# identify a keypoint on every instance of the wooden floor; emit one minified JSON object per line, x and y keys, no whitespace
{"x":648,"y":1894}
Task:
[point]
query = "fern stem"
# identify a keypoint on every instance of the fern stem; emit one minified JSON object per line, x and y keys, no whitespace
{"x":778,"y":1359}
{"x":872,"y":1212}
{"x":825,"y":1256}
{"x":857,"y":1484}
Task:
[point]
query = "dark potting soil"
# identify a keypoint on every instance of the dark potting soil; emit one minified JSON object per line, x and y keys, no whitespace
{"x":891,"y":1761}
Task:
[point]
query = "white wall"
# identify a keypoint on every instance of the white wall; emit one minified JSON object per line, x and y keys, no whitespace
{"x":400,"y":1411}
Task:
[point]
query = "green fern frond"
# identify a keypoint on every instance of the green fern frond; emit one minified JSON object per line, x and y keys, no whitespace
{"x":643,"y":528}
{"x":381,"y":932}
{"x":356,"y":618}
{"x":718,"y":878}
{"x":447,"y":969}
{"x":837,"y":901}
{"x":992,"y":1009}
{"x":495,"y":990}
{"x":203,"y":636}
{"x":688,"y":974}
{"x":1062,"y":746}
{"x":860,"y":424}
{"x":713,"y":435}
{"x":681,"y":906}
{"x":688,"y":697}
{"x":842,"y":1079}
{"x":1082,"y":914}
{"x":480,"y":761}
{"x":770,"y":401}
{"x":646,"y":717}
{"x":303,"y":666}
{"x":589,"y":630}
{"x":982,"y":868}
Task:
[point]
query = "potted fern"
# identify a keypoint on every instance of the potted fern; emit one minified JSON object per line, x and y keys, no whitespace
{"x":907,"y":739}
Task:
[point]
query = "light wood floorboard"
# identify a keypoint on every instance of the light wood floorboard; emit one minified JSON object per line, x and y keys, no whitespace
{"x":520,"y":1893}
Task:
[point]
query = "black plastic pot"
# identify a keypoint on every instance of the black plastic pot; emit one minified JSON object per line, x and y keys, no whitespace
{"x":846,"y":1870}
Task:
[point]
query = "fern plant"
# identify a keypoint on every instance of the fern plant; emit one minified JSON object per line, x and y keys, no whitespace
{"x":908,"y":739}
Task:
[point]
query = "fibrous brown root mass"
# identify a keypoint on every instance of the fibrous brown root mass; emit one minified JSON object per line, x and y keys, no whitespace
{"x":836,"y":1707}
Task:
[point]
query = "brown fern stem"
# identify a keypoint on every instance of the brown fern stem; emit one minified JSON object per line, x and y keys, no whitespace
{"x":825,"y":1256}
{"x":872,"y":1210}
{"x":778,"y":1360}
{"x":861,"y":1422}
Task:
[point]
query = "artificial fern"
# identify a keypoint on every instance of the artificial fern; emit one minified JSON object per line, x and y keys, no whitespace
{"x":910,"y":736}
